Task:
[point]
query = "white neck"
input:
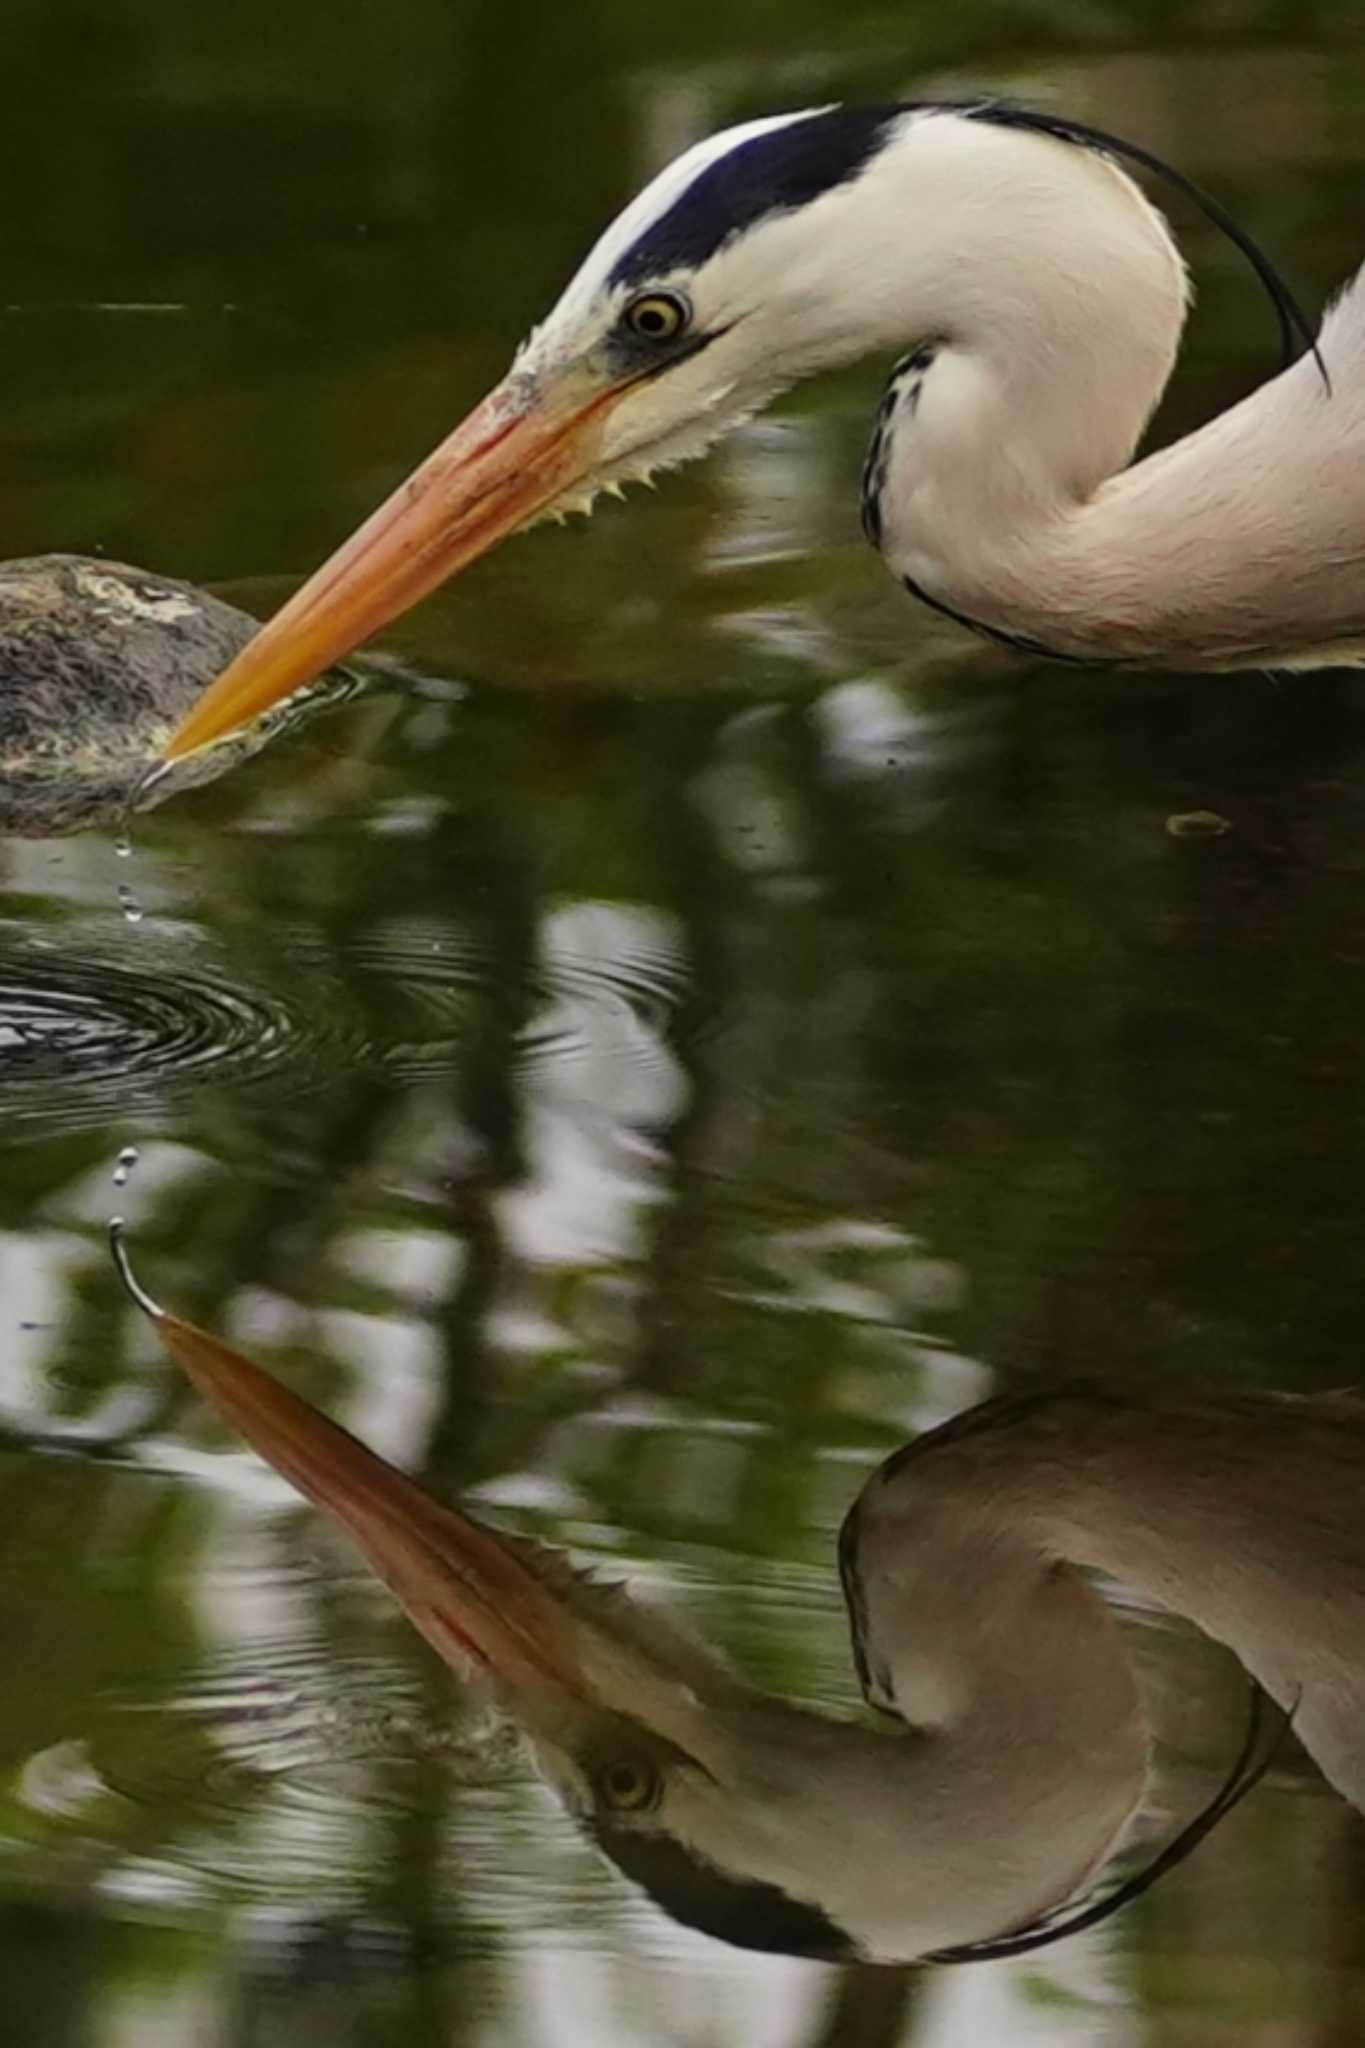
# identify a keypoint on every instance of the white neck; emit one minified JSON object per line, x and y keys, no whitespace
{"x":1241,"y":1512}
{"x":1054,"y":297}
{"x":1024,"y":1759}
{"x":1021,"y":1748}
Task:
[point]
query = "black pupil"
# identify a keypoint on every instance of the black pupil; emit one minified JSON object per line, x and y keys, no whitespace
{"x":654,"y":319}
{"x":624,"y":1781}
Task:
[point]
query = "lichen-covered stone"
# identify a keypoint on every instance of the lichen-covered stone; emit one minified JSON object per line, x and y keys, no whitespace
{"x":98,"y":664}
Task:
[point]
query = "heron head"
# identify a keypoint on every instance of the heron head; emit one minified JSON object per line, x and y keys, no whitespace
{"x":682,"y":1775}
{"x":1009,"y":238}
{"x":747,"y":263}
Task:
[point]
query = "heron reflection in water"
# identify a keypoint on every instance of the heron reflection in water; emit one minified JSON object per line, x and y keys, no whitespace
{"x":1013,"y":1748}
{"x":1041,"y":299}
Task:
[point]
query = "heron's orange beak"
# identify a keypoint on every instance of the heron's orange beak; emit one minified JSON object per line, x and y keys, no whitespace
{"x":514,"y":455}
{"x":474,"y":1598}
{"x":511,"y":1611}
{"x":483,"y":1600}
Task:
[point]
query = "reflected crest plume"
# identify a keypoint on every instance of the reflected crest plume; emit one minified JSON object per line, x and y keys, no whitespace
{"x":1011,"y":1750}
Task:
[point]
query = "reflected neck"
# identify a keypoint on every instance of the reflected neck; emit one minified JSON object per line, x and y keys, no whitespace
{"x":1240,"y":1512}
{"x":1020,"y":1758}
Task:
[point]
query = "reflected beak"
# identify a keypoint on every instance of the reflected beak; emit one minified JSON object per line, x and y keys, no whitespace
{"x":473,"y":1597}
{"x":510,"y":1610}
{"x":518,"y":452}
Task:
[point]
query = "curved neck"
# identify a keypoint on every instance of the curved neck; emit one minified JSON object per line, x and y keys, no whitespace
{"x":1026,"y":1747}
{"x":1240,"y":1512}
{"x":1053,"y":297}
{"x":1020,"y":1755}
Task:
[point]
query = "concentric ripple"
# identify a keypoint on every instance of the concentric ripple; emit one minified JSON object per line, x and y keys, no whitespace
{"x":275,"y":1782}
{"x":426,"y":976}
{"x":602,"y":991}
{"x":92,"y":1034}
{"x":92,"y":1030}
{"x":612,"y":979}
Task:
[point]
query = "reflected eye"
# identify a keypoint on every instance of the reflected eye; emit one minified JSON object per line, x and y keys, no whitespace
{"x":628,"y":1785}
{"x":657,"y":316}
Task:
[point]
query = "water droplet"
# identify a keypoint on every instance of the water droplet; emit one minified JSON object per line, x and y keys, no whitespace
{"x":123,"y":846}
{"x":132,"y":909}
{"x":124,"y":1165}
{"x":1198,"y":825}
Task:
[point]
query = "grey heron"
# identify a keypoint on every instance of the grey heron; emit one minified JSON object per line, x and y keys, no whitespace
{"x":1041,"y":298}
{"x":1012,"y":1750}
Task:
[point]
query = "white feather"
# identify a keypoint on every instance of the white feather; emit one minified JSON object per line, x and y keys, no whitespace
{"x":1055,"y":299}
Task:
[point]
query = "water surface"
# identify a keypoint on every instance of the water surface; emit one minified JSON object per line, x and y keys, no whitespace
{"x":703,"y":1024}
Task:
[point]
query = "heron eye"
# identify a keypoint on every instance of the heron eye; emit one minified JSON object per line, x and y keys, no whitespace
{"x":629,"y":1785}
{"x":657,"y":316}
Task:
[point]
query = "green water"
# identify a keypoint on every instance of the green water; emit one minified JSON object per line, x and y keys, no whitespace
{"x":701,"y":1026}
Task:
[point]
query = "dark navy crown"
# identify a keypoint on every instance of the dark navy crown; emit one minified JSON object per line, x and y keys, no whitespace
{"x":765,"y":174}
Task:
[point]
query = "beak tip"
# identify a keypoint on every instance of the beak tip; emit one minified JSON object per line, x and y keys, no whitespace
{"x":132,"y":1286}
{"x":502,"y":468}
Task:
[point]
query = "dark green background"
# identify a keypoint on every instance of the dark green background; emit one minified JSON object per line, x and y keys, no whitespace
{"x":742,"y":1026}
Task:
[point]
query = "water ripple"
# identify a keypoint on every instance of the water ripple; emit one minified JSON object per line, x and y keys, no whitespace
{"x":602,"y":992}
{"x":428,"y":974}
{"x":611,"y":981}
{"x":91,"y":1029}
{"x":259,"y":1783}
{"x":90,"y":1034}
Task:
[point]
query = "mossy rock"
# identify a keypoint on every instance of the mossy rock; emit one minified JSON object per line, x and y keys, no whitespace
{"x":99,"y":662}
